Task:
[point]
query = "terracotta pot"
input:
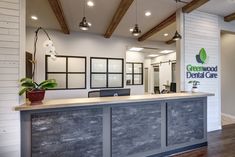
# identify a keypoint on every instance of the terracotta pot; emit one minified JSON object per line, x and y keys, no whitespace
{"x":36,"y":96}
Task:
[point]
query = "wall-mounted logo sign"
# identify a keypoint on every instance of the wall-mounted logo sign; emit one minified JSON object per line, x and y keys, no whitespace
{"x":199,"y":71}
{"x":202,"y":56}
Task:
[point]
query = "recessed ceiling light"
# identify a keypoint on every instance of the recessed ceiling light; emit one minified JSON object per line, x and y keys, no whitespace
{"x":131,"y":29}
{"x":90,"y":3}
{"x":153,"y":55}
{"x":33,"y":17}
{"x":167,"y":51}
{"x":136,"y":49}
{"x":148,"y":13}
{"x":166,"y":34}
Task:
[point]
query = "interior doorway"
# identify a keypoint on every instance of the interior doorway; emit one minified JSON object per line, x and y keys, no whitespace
{"x":146,"y":80}
{"x":227,"y":77}
{"x":156,"y":79}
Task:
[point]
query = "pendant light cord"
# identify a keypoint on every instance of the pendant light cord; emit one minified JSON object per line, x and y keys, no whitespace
{"x":84,"y":7}
{"x":136,"y":12}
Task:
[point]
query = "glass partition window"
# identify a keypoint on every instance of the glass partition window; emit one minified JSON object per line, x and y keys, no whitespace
{"x":106,"y":73}
{"x":134,"y":73}
{"x":68,"y":71}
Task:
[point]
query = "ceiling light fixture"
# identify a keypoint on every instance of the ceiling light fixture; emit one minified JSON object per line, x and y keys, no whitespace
{"x":153,"y":55}
{"x":131,"y":29}
{"x":33,"y":17}
{"x":177,"y":36}
{"x":136,"y":49}
{"x":90,"y":3}
{"x":84,"y":25}
{"x":148,"y":13}
{"x":167,"y":51}
{"x":136,"y":31}
{"x":166,"y":34}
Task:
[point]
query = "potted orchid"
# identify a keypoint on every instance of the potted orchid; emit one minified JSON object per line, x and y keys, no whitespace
{"x":194,"y":85}
{"x":35,"y":92}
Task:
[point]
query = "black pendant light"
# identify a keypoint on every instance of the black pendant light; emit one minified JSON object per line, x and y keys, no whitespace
{"x":84,"y":25}
{"x":177,"y":36}
{"x":136,"y":31}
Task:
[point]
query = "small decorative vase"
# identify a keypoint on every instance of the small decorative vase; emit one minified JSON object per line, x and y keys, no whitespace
{"x":194,"y":90}
{"x":36,"y":96}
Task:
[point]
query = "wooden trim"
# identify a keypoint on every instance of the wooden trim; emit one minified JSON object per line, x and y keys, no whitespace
{"x":120,"y":12}
{"x":169,"y":42}
{"x":171,"y":19}
{"x":58,"y":11}
{"x":193,"y":5}
{"x":230,"y":17}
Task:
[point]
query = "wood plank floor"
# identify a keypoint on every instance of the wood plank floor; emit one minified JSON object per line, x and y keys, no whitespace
{"x":220,"y":144}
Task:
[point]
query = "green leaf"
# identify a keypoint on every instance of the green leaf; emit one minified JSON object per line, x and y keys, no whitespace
{"x":28,"y":85}
{"x":48,"y":85}
{"x":203,"y":55}
{"x":23,"y":90}
{"x":26,"y":80}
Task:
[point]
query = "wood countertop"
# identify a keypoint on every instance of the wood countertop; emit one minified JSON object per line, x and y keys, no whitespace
{"x":82,"y":102}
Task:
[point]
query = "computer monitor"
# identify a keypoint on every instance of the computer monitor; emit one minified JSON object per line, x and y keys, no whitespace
{"x":115,"y":92}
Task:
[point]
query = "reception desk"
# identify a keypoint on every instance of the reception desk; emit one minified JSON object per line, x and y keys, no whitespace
{"x":127,"y":126}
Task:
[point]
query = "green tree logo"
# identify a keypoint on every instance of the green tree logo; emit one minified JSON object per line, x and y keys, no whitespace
{"x":202,"y":56}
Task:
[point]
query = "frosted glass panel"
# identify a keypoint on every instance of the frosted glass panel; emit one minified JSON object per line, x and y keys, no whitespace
{"x":60,"y":79}
{"x":129,"y":79}
{"x":128,"y":68}
{"x":76,"y":80}
{"x":98,"y":80}
{"x":115,"y":80}
{"x":137,"y":79}
{"x":99,"y":65}
{"x":59,"y":65}
{"x":115,"y":65}
{"x":76,"y":65}
{"x":137,"y":68}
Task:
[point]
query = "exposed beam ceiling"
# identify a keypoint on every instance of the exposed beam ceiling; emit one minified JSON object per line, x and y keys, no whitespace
{"x":171,"y":19}
{"x":57,"y":9}
{"x":230,"y":17}
{"x":186,"y":9}
{"x":169,"y":42}
{"x":193,"y":5}
{"x":120,"y":12}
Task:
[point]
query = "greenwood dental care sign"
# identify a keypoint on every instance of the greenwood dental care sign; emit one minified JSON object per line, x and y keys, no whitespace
{"x":201,"y":71}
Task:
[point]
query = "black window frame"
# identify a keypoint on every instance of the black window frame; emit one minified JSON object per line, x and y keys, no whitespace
{"x":133,"y":73}
{"x":66,"y":73}
{"x":107,"y":72}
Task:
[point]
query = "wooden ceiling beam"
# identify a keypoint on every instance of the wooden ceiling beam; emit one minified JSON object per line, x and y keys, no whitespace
{"x":171,"y":19}
{"x":193,"y":5}
{"x":230,"y":17}
{"x":58,"y":11}
{"x":120,"y":12}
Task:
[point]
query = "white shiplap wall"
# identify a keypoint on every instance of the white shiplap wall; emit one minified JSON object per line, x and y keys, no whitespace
{"x":9,"y":76}
{"x":202,"y":31}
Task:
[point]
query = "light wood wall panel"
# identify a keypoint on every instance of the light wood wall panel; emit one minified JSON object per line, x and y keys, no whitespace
{"x":9,"y":76}
{"x":202,"y":31}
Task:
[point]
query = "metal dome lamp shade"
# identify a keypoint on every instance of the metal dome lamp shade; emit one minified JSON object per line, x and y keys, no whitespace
{"x":136,"y":31}
{"x":84,"y":25}
{"x":177,"y":36}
